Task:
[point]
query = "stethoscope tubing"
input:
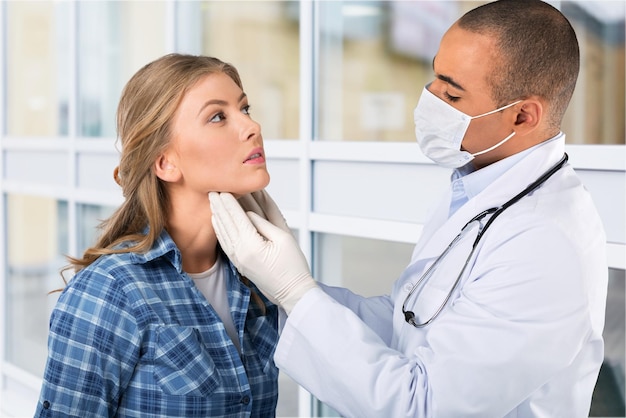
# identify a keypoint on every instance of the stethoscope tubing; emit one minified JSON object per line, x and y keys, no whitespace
{"x":496,"y":211}
{"x":528,"y":190}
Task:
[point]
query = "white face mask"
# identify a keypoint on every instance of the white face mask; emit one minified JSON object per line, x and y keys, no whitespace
{"x":440,"y":129}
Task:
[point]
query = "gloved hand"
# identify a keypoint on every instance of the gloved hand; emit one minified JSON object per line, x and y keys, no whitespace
{"x":263,"y":252}
{"x":262,"y":204}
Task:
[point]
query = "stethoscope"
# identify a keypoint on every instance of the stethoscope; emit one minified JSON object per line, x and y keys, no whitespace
{"x":496,"y":211}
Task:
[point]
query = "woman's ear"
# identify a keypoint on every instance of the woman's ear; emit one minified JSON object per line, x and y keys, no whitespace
{"x":166,"y":169}
{"x":529,"y":116}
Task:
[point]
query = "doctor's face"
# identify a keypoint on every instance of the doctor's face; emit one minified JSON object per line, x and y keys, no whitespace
{"x":462,"y":66}
{"x":216,"y":145}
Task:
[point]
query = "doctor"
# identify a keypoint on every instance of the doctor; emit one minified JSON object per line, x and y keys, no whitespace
{"x":501,"y":309}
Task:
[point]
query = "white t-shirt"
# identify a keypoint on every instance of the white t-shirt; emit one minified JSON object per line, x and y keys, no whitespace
{"x":212,"y":284}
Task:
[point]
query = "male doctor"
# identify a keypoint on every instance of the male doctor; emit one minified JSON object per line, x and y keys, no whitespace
{"x":505,"y":324}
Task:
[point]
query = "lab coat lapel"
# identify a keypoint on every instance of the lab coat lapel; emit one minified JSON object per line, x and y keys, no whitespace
{"x":440,"y":231}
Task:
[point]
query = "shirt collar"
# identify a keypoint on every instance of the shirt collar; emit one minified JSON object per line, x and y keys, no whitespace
{"x":164,"y":246}
{"x":467,"y":182}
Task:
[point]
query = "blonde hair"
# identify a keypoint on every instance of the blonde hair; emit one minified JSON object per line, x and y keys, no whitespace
{"x":144,"y":122}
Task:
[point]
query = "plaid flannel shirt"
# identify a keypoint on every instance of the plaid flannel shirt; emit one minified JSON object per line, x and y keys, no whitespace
{"x":131,"y":335}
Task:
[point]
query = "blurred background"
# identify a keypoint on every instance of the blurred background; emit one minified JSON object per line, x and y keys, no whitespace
{"x":333,"y":84}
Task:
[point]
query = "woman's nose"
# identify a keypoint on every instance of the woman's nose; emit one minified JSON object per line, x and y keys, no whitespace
{"x":250,"y":129}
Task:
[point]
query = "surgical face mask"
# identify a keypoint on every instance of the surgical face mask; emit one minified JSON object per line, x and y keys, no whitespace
{"x":440,"y":129}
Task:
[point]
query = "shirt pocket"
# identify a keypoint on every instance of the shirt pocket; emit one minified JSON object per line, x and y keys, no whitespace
{"x":182,"y":366}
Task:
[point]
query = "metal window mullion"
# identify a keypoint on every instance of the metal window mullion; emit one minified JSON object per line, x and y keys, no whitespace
{"x":73,"y":130}
{"x":307,"y":74}
{"x":171,"y":26}
{"x":308,"y":31}
{"x":3,"y":229}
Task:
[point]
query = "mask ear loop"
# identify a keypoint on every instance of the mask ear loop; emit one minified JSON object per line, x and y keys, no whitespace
{"x":494,"y":146}
{"x":497,"y":110}
{"x":505,"y":139}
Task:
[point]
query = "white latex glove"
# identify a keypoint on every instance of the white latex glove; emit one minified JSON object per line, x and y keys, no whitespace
{"x":266,"y":254}
{"x":263,"y":205}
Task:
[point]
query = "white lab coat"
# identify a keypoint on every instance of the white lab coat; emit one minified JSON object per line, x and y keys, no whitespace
{"x":521,"y":337}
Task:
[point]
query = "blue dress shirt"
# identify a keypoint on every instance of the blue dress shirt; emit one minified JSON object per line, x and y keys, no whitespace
{"x":466,"y":182}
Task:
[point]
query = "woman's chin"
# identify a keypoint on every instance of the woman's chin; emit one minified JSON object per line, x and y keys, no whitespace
{"x":249,"y":188}
{"x":240,"y":193}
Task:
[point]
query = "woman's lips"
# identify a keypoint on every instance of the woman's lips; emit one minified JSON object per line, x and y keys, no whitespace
{"x":255,"y":158}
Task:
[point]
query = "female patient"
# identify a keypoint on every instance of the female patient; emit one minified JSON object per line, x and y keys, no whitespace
{"x":157,"y":322}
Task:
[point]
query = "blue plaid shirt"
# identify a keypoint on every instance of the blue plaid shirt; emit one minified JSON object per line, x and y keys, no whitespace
{"x":131,"y":336}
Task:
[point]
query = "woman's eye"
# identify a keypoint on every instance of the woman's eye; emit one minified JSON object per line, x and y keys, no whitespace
{"x":246,"y":110}
{"x":451,"y":98}
{"x":217,"y":118}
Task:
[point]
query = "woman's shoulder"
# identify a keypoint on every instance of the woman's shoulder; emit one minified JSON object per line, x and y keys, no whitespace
{"x":102,"y":274}
{"x":118,"y":272}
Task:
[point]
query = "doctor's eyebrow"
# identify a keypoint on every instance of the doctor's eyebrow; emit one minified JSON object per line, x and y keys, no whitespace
{"x":447,"y":79}
{"x":450,"y":81}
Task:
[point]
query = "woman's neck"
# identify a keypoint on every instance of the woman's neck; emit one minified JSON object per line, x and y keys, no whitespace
{"x":194,"y":236}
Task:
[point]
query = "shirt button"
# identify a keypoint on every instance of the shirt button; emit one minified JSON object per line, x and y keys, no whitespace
{"x":408,"y":287}
{"x":46,"y":404}
{"x":245,"y":400}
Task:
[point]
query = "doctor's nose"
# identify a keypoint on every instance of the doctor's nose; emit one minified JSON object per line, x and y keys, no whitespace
{"x":436,"y":87}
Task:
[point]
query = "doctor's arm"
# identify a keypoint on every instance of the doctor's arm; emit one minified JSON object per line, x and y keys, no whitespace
{"x":484,"y":356}
{"x":511,"y":333}
{"x":375,"y":311}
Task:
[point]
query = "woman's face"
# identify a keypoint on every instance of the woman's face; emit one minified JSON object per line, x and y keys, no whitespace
{"x":216,"y":146}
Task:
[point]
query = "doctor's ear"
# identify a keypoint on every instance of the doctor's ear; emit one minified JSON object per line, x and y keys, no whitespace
{"x":529,"y":116}
{"x":166,"y":169}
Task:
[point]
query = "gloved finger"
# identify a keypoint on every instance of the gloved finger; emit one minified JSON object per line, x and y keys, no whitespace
{"x":218,"y":213}
{"x":270,"y":209}
{"x":267,"y":229}
{"x":236,"y":223}
{"x":248,"y":203}
{"x":224,"y":227}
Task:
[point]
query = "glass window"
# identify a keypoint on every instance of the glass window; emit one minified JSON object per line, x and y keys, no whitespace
{"x":89,"y":219}
{"x":608,"y":397}
{"x":374,"y":59}
{"x":596,"y":114}
{"x":376,"y":56}
{"x":36,"y":245}
{"x":368,"y":267}
{"x":287,"y":396}
{"x":115,"y":39}
{"x":261,"y":39}
{"x":37,"y":41}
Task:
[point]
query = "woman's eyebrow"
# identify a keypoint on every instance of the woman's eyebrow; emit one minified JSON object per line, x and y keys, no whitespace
{"x":219,"y":102}
{"x":212,"y":102}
